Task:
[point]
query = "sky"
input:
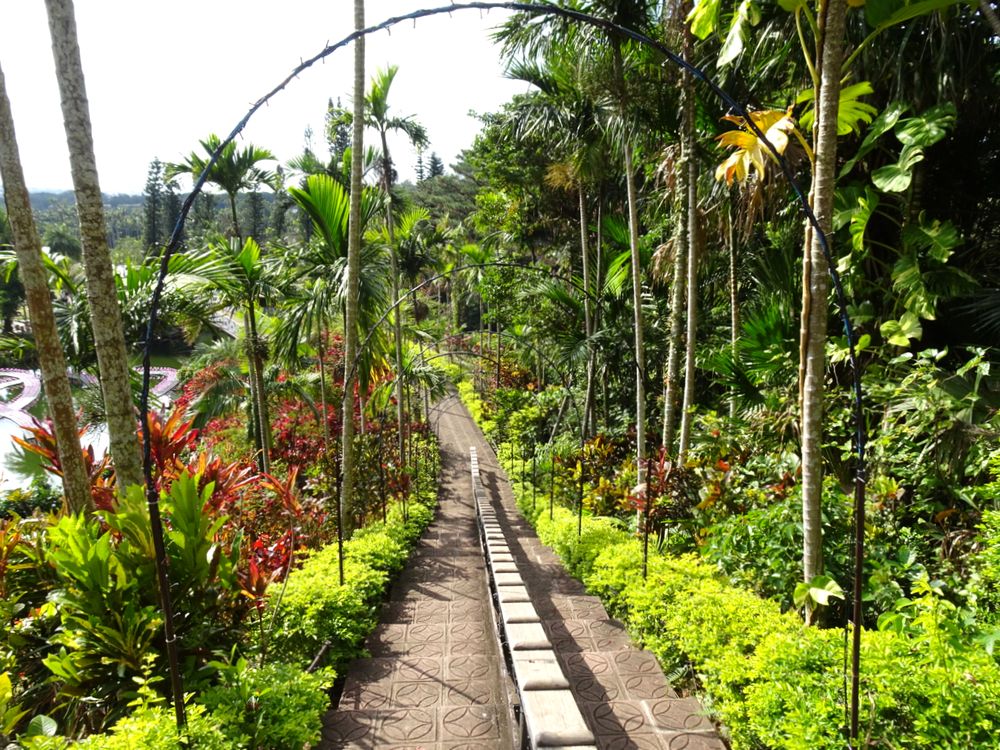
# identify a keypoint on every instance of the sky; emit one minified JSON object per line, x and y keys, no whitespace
{"x":163,"y":74}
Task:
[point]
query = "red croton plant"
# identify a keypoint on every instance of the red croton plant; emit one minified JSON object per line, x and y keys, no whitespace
{"x":263,"y":513}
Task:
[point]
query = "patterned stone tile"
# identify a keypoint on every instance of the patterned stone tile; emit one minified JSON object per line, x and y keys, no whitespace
{"x":424,"y":694}
{"x":482,"y":646}
{"x":692,"y":741}
{"x":471,"y":668}
{"x":365,"y":696}
{"x":630,"y":742}
{"x":419,"y":668}
{"x":349,"y":726}
{"x":473,"y":722}
{"x":470,"y":692}
{"x":409,"y":725}
{"x":587,"y":664}
{"x":426,"y":632}
{"x":616,"y":718}
{"x":577,"y":644}
{"x":646,"y":687}
{"x":636,"y":662}
{"x":468,"y":631}
{"x":678,"y":715}
{"x":597,"y":689}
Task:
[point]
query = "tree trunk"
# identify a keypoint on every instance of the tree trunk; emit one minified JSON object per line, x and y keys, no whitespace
{"x":588,"y":326}
{"x":264,"y":420}
{"x":640,"y":356}
{"x":348,"y":501}
{"x":397,"y":312}
{"x":28,"y":247}
{"x":252,"y":382}
{"x":102,"y":296}
{"x":814,"y":310}
{"x":734,"y":302}
{"x":322,"y":391}
{"x":694,"y":237}
{"x":672,"y":381}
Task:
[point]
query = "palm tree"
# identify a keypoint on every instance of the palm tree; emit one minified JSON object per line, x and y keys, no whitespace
{"x":376,"y":113}
{"x":347,"y":499}
{"x":241,"y":278}
{"x":236,"y":170}
{"x":523,"y":33}
{"x":109,"y":340}
{"x":816,"y":285}
{"x":58,"y":395}
{"x":321,"y":268}
{"x":564,"y":109}
{"x":477,"y":256}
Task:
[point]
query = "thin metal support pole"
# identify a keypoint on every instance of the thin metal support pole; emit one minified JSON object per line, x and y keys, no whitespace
{"x":340,"y":516}
{"x":552,"y":483}
{"x":534,"y":453}
{"x":645,"y":524}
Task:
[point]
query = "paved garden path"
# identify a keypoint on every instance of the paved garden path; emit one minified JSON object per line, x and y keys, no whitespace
{"x":436,"y":679}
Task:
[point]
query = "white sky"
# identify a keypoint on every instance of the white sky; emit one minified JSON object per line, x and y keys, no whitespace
{"x":163,"y":74}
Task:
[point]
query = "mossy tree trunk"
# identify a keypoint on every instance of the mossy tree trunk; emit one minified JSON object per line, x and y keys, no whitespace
{"x":102,"y":296}
{"x":55,"y":381}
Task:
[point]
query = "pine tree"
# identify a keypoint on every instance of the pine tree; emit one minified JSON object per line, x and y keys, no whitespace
{"x":421,"y":172}
{"x":258,"y":221}
{"x":338,"y":130}
{"x":435,"y":167}
{"x":152,"y":229}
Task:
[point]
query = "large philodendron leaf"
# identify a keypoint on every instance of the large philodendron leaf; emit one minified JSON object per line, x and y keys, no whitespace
{"x":883,"y":14}
{"x":900,"y":332}
{"x":882,"y":124}
{"x":895,"y":178}
{"x":852,"y":112}
{"x":704,"y":17}
{"x":746,"y":15}
{"x":938,"y":239}
{"x":818,"y":591}
{"x":927,"y":128}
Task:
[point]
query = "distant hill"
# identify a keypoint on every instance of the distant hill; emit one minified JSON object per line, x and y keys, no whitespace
{"x":43,"y":200}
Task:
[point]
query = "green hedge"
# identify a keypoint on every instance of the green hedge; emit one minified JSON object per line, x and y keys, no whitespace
{"x":773,"y":682}
{"x":313,"y":609}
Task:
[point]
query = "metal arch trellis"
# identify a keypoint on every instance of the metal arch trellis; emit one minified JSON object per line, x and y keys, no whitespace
{"x":613,"y":29}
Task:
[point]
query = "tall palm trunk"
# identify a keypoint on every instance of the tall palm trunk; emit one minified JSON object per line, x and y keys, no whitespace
{"x":588,"y":326}
{"x":672,"y":384}
{"x":814,"y":302}
{"x":255,"y":430}
{"x":28,"y":247}
{"x":734,"y":308}
{"x":633,"y":239}
{"x":102,"y":296}
{"x":322,"y":390}
{"x":640,"y":355}
{"x":255,"y":365}
{"x":672,"y":381}
{"x":396,"y":315}
{"x":257,"y":374}
{"x":497,"y":382}
{"x":348,"y":501}
{"x":694,"y":243}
